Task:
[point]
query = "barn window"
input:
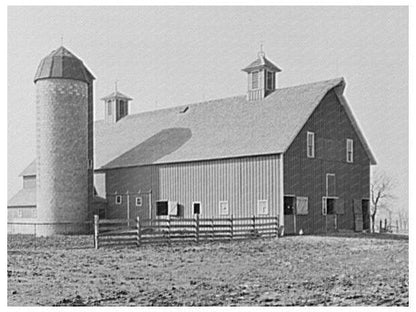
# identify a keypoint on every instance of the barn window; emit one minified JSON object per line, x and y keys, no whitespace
{"x":263,"y":207}
{"x":330,"y":184}
{"x":302,"y":205}
{"x":254,"y":80}
{"x":139,"y":201}
{"x":118,"y":199}
{"x":162,"y":208}
{"x":310,"y":144}
{"x":270,"y":80}
{"x":350,"y":150}
{"x":224,"y":208}
{"x":196,"y":207}
{"x":289,"y":205}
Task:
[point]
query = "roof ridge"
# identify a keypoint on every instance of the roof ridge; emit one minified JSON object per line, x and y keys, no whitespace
{"x":132,"y":116}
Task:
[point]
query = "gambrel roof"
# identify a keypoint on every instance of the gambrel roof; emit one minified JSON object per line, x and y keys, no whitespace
{"x":224,"y":128}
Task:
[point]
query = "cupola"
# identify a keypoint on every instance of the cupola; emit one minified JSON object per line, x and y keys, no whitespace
{"x":261,"y":77}
{"x":116,"y":106}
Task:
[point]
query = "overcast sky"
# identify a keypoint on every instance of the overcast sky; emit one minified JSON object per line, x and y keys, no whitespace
{"x":169,"y":56}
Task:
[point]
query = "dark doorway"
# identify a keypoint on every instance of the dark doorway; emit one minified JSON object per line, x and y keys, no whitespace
{"x":365,"y":205}
{"x":289,"y":204}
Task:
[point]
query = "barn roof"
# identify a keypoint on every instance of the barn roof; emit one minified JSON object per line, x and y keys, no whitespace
{"x":224,"y":128}
{"x":26,"y":197}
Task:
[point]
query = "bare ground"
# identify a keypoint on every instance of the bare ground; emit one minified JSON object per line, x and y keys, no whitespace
{"x":299,"y":270}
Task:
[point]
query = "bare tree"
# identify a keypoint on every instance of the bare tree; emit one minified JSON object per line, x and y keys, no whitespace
{"x":381,"y":190}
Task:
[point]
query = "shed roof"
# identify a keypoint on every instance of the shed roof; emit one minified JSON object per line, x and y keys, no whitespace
{"x":62,"y":63}
{"x":224,"y":128}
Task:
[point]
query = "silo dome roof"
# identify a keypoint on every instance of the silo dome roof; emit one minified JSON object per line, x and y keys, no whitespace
{"x":61,"y":63}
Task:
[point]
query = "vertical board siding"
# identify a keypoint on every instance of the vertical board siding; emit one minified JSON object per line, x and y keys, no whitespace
{"x":307,"y":176}
{"x":241,"y":182}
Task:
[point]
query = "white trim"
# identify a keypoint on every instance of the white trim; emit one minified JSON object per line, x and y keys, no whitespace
{"x":351,"y":145}
{"x":310,"y":134}
{"x":193,"y":209}
{"x":281,"y":191}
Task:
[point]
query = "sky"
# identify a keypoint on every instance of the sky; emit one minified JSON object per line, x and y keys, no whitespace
{"x":170,"y":56}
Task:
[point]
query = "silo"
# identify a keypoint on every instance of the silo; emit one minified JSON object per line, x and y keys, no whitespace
{"x":63,"y":144}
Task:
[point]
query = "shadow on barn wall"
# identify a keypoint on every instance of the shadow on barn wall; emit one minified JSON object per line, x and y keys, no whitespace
{"x":159,"y":145}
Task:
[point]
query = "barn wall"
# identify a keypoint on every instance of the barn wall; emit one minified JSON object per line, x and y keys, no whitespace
{"x":240,"y":181}
{"x":307,"y":176}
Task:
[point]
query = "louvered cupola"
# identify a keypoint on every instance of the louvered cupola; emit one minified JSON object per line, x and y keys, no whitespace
{"x":116,"y":106}
{"x":261,"y":78}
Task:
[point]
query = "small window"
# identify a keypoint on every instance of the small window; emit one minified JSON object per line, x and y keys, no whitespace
{"x":118,"y":199}
{"x":302,"y":205}
{"x":289,"y":203}
{"x":330,"y":184}
{"x":196,"y":207}
{"x":254,"y":80}
{"x":121,"y":108}
{"x":109,"y":108}
{"x":270,"y":80}
{"x":310,"y":144}
{"x":262,"y":207}
{"x":350,"y":150}
{"x":224,"y":208}
{"x":139,"y":201}
{"x":162,"y":208}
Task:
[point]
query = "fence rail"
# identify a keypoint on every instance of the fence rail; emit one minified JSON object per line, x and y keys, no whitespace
{"x":156,"y":231}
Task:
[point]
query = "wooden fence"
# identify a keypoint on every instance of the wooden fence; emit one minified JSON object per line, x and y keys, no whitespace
{"x":174,"y":230}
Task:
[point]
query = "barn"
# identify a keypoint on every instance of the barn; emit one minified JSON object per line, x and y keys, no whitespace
{"x":294,"y":152}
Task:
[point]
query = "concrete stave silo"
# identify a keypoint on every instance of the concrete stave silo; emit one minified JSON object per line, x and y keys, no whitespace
{"x":64,"y":144}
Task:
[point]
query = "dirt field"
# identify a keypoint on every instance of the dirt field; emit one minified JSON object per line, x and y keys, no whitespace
{"x":302,"y":270}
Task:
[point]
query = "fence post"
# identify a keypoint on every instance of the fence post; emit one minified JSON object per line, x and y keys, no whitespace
{"x":254,"y":225}
{"x":96,"y":229}
{"x":128,"y":207}
{"x":277,"y":226}
{"x":397,"y":226}
{"x":381,"y":226}
{"x":212,"y":228}
{"x":168,"y":218}
{"x":385,"y":224}
{"x":197,"y":228}
{"x":232,"y":227}
{"x":138,"y":231}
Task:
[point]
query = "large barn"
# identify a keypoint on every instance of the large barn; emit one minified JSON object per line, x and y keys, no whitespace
{"x":294,"y":152}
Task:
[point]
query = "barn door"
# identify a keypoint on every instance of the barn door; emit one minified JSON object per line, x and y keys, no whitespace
{"x":358,"y":215}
